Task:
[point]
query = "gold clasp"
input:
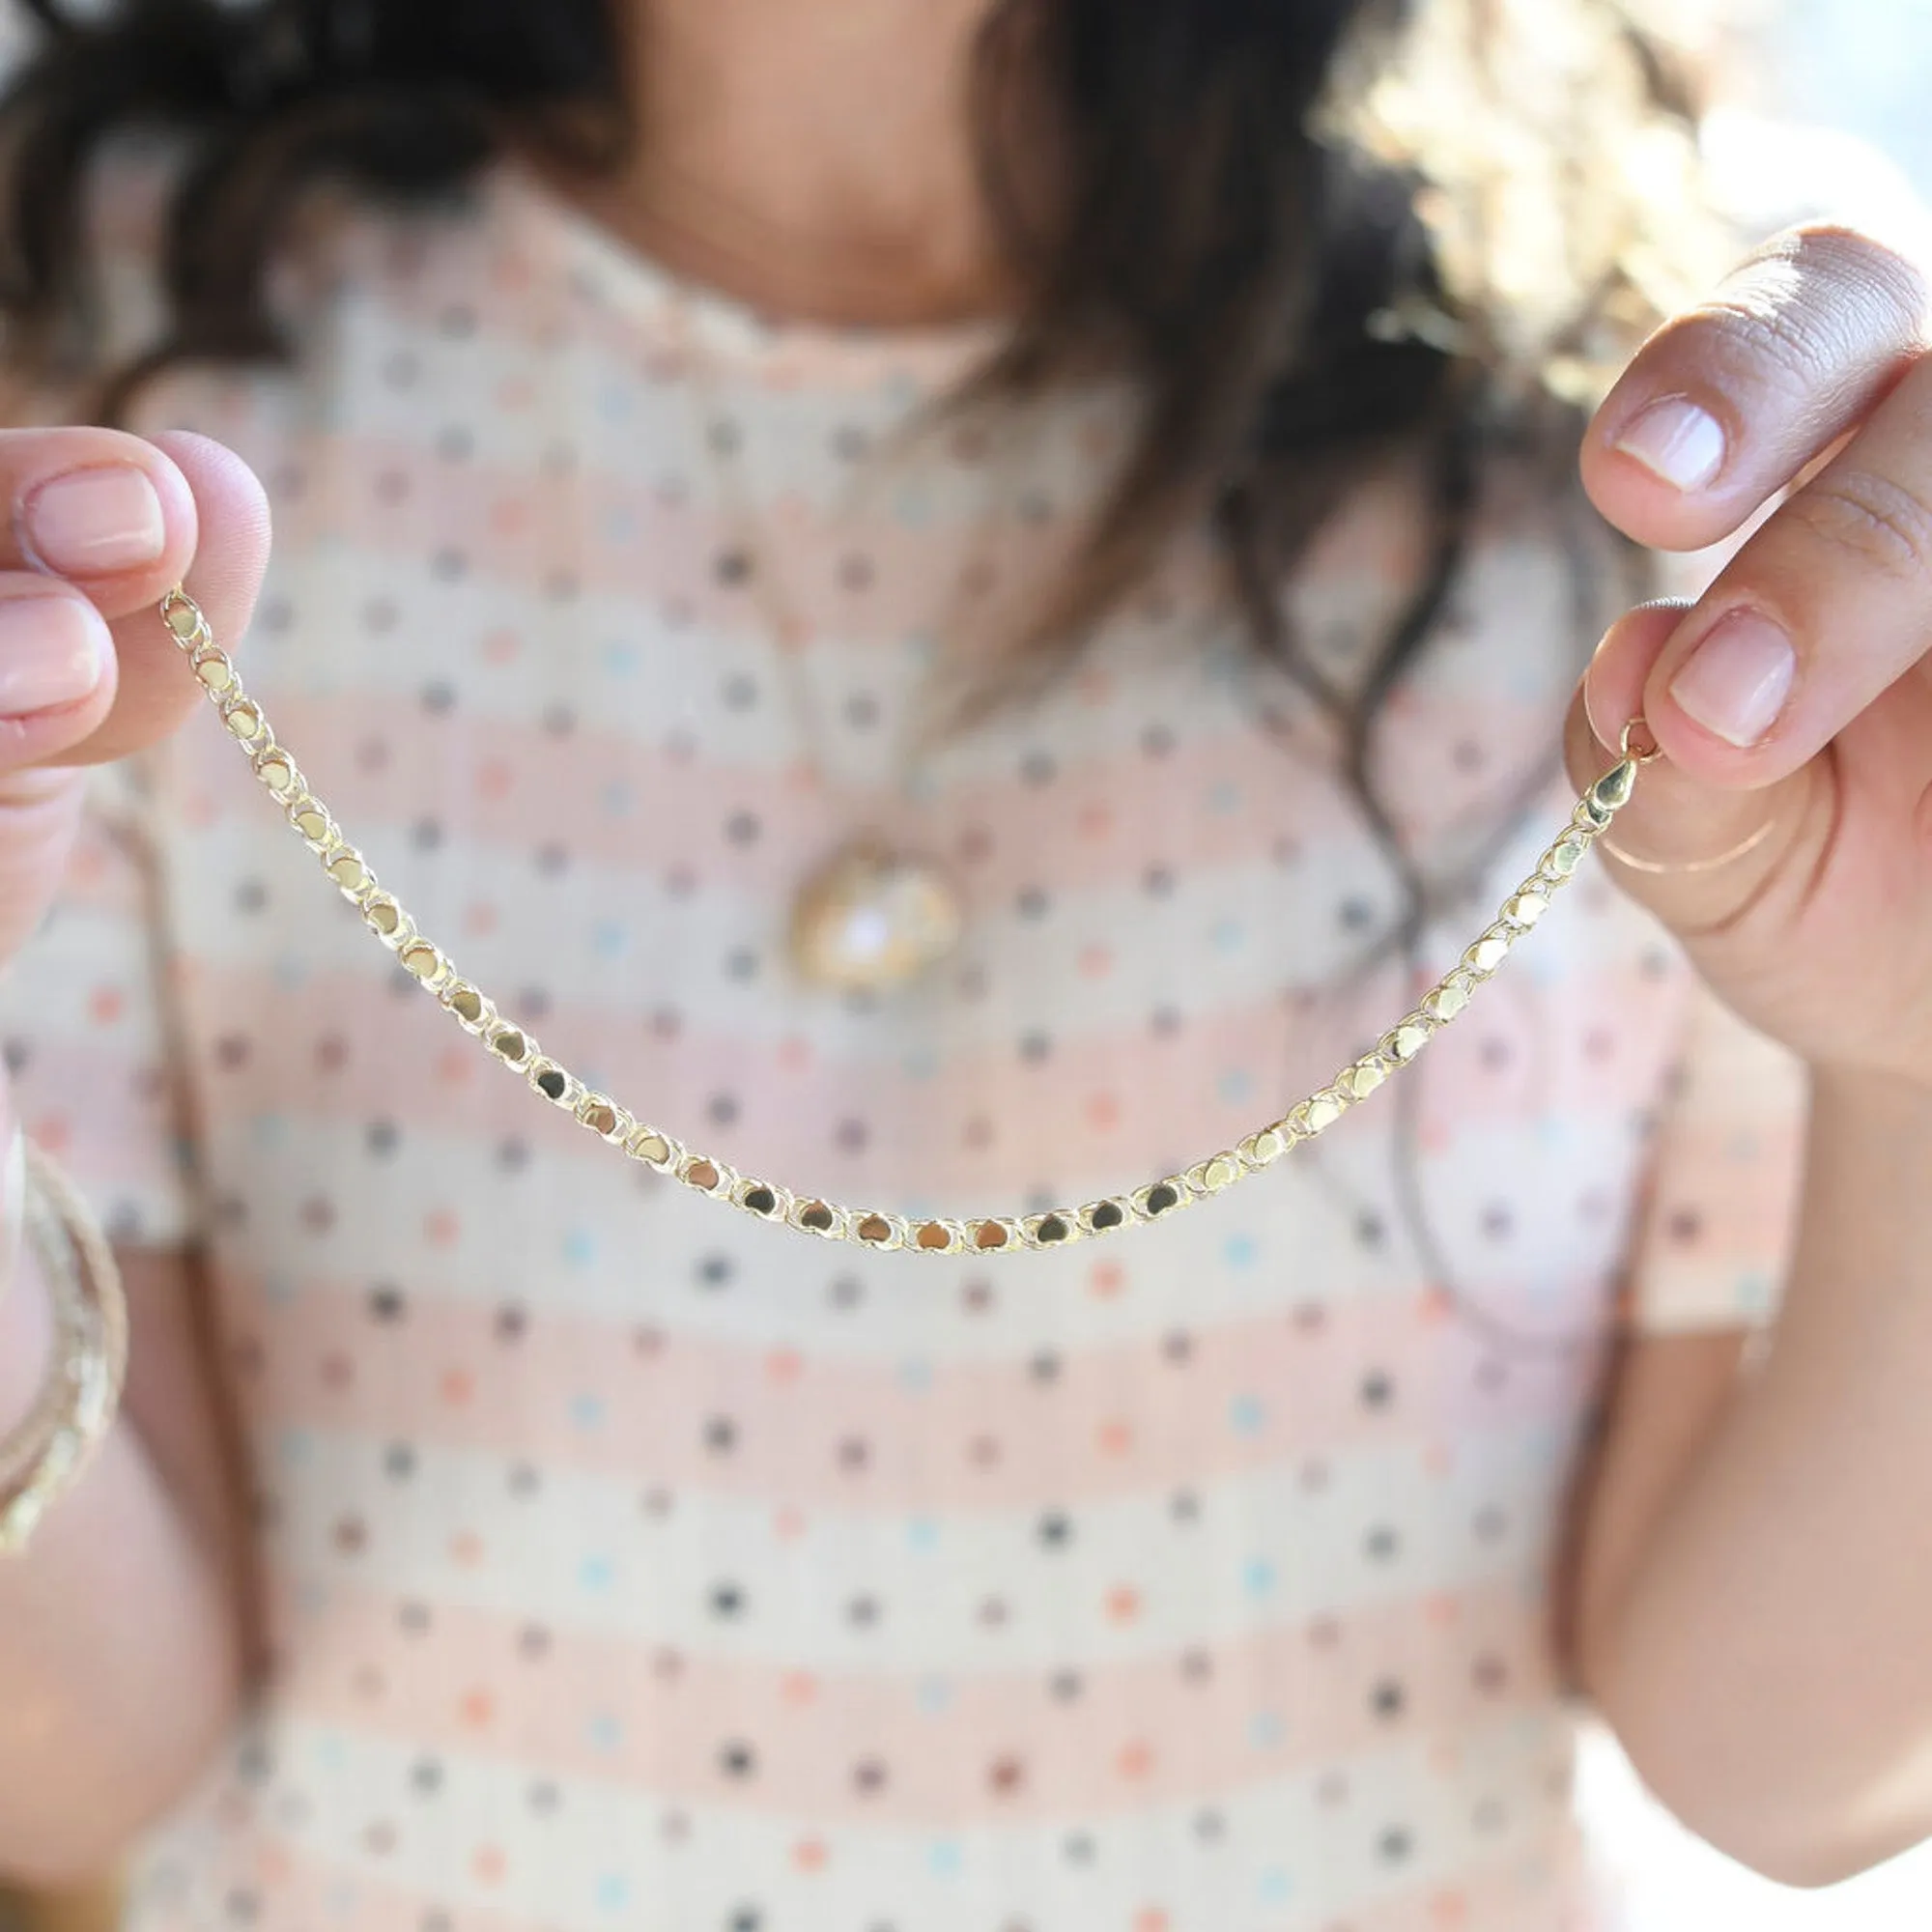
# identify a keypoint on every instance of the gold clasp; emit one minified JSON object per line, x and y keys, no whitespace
{"x":1636,"y":757}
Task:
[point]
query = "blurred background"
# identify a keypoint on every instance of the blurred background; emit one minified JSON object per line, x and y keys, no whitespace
{"x":1856,"y":73}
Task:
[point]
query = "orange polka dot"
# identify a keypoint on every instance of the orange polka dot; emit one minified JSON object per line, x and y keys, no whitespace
{"x":799,"y":1687}
{"x":1434,"y":1304}
{"x":488,"y":1866}
{"x":1438,"y":1458}
{"x":501,"y":645}
{"x":789,"y":1524}
{"x":1104,"y":1110}
{"x":454,"y":1067}
{"x":465,"y":1547}
{"x":1123,"y":1603}
{"x":509,"y":517}
{"x":273,"y":1866}
{"x":1136,"y":1759}
{"x":106,"y":1006}
{"x":495,"y":778}
{"x":1153,"y":1919}
{"x":458,"y":1386}
{"x":441,"y":1228}
{"x":479,"y":919}
{"x":54,"y":1132}
{"x":1116,"y":1438}
{"x":478,"y":1709}
{"x":1096,"y":962}
{"x":784,"y":1365}
{"x":1106,"y":1279}
{"x":794,"y":1053}
{"x":1442,"y":1609}
{"x":809,"y":1855}
{"x":1097,"y":819}
{"x":1449,"y":1908}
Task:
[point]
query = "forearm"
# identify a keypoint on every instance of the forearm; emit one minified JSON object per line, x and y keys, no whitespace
{"x":119,"y":1657}
{"x":1767,"y":1658}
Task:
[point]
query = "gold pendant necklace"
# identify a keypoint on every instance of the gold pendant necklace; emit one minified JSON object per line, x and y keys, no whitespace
{"x":873,"y":918}
{"x":874,"y":914}
{"x":516,"y":1047}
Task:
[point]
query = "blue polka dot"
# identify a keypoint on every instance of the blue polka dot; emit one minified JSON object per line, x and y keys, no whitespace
{"x":935,"y":1694}
{"x":608,"y":938}
{"x":615,"y":403}
{"x":579,"y":1247}
{"x":1259,"y":1576}
{"x":944,"y":1857}
{"x":1276,"y":1886}
{"x":1265,"y":1730}
{"x":587,"y":1412}
{"x":329,"y":1752}
{"x":1235,"y":1086}
{"x":1239,"y":1250}
{"x":613,"y":1891}
{"x":596,"y":1572}
{"x":1229,"y":935}
{"x":916,"y":1373}
{"x":269,"y":1130}
{"x":1755,"y":1293}
{"x":620,"y":525}
{"x":605,"y":1730}
{"x":921,"y":1532}
{"x":620,"y":658}
{"x":1224,"y":795}
{"x":1247,"y":1415}
{"x":291,"y":974}
{"x":615,"y":799}
{"x":293,"y":1447}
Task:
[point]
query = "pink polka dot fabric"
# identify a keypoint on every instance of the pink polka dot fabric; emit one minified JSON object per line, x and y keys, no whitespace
{"x":634,"y":1566}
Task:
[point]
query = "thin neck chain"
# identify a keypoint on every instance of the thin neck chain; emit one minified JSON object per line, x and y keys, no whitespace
{"x":723,"y":443}
{"x":1160,"y":1199}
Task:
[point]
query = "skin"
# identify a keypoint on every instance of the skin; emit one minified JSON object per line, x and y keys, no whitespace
{"x":1750,"y":1588}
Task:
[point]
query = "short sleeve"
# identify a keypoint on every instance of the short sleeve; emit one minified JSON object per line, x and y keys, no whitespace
{"x":84,"y":1022}
{"x":1719,"y":1223}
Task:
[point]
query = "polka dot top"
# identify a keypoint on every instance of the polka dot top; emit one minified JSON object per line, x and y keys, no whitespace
{"x":634,"y":1565}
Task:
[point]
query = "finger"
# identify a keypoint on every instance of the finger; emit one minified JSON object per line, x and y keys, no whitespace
{"x":74,"y":688}
{"x":155,"y":691}
{"x":1698,"y":855}
{"x":1820,"y":613}
{"x":1728,"y":404}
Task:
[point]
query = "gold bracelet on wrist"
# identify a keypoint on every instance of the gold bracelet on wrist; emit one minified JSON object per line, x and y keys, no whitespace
{"x":43,"y":1458}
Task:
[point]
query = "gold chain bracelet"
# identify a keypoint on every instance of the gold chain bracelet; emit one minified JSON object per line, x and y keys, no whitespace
{"x":517,"y":1048}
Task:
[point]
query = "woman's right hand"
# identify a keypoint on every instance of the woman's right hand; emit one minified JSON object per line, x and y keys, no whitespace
{"x":103,"y":523}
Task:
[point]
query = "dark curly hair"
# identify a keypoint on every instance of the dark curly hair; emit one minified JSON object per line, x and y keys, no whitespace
{"x":1204,"y":237}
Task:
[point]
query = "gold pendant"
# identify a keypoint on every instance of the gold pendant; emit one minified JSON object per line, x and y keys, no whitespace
{"x":871,"y":918}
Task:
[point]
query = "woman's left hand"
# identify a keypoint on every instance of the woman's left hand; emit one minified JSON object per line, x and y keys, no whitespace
{"x":1786,"y":835}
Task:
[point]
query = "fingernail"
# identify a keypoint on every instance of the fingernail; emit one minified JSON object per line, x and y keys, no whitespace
{"x":53,"y":651}
{"x":91,"y":522}
{"x":1737,"y":680}
{"x":1677,"y":441}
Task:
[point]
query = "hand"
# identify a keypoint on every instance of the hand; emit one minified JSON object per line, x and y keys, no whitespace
{"x":1793,"y":701}
{"x":102,"y":524}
